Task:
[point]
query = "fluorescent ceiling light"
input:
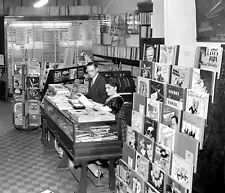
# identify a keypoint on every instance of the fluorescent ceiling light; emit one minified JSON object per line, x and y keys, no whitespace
{"x":45,"y":25}
{"x":40,"y":3}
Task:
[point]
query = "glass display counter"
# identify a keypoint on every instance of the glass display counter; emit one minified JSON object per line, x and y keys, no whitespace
{"x":82,"y":142}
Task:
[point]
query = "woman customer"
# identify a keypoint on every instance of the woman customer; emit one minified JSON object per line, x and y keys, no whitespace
{"x":114,"y":104}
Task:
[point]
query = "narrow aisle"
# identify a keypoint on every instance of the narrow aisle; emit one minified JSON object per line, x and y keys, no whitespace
{"x":24,"y":166}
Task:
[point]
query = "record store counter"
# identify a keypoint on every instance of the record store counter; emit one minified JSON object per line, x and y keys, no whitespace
{"x":85,"y":136}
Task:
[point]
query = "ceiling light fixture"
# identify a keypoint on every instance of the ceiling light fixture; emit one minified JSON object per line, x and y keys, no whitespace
{"x":40,"y":3}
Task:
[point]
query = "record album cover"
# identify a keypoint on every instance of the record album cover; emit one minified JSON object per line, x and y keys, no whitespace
{"x":128,"y":155}
{"x":34,"y":119}
{"x":172,"y":186}
{"x":141,"y":166}
{"x":162,"y":72}
{"x":156,"y":177}
{"x":171,"y":117}
{"x":181,"y":76}
{"x":157,"y":91}
{"x":120,"y":185}
{"x":153,"y":109}
{"x":197,"y":103}
{"x":150,"y":128}
{"x":139,"y":103}
{"x":166,"y":136}
{"x":187,"y":148}
{"x":146,"y":69}
{"x":143,"y":86}
{"x":32,"y":82}
{"x":137,"y":183}
{"x":182,"y":172}
{"x":167,"y":54}
{"x":130,"y":137}
{"x":137,"y":121}
{"x":33,"y":107}
{"x":193,"y":126}
{"x":145,"y":147}
{"x":151,"y":53}
{"x":124,"y":173}
{"x":176,"y":97}
{"x":162,"y":158}
{"x":33,"y":94}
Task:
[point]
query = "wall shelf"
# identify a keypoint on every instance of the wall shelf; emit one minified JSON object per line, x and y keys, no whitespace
{"x":122,"y":60}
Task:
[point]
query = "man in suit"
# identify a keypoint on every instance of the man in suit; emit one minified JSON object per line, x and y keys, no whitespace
{"x":96,"y":87}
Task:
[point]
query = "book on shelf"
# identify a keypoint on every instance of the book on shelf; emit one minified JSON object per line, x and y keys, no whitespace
{"x":156,"y":177}
{"x":151,"y":52}
{"x":128,"y":155}
{"x":171,"y":185}
{"x":145,"y":146}
{"x":197,"y":103}
{"x":182,"y":172}
{"x":187,"y":56}
{"x":137,"y":121}
{"x":139,"y":103}
{"x":203,"y":81}
{"x":146,"y":69}
{"x":176,"y":97}
{"x":162,"y":158}
{"x":210,"y":58}
{"x":153,"y":109}
{"x":166,"y":136}
{"x":162,"y":72}
{"x":141,"y":166}
{"x":150,"y":128}
{"x":143,"y":86}
{"x":194,"y":127}
{"x":172,"y":117}
{"x":187,"y":148}
{"x":157,"y":91}
{"x":181,"y":76}
{"x":168,"y":54}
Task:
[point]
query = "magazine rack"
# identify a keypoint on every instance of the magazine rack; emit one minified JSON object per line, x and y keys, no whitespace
{"x":71,"y":135}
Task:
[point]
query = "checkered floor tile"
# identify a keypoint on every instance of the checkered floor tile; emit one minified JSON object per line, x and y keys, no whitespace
{"x":25,"y":167}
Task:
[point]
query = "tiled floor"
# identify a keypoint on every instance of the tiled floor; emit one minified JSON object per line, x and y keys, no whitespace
{"x":25,"y":167}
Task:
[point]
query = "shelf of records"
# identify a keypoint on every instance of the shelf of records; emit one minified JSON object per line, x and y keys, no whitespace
{"x":78,"y":123}
{"x":55,"y":11}
{"x":130,"y":53}
{"x":26,"y":95}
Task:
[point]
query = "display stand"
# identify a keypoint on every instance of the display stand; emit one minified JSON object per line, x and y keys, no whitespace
{"x":26,"y":95}
{"x":63,"y":128}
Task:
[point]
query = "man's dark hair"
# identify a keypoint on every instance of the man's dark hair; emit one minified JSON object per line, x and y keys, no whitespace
{"x":92,"y":64}
{"x":111,"y":81}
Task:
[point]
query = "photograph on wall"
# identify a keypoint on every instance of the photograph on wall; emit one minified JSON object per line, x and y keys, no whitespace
{"x":210,"y":21}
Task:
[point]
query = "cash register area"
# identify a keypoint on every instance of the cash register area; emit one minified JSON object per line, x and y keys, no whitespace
{"x":25,"y":166}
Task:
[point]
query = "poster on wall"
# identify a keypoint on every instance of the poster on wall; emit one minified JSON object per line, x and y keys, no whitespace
{"x":210,"y":16}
